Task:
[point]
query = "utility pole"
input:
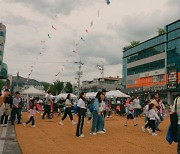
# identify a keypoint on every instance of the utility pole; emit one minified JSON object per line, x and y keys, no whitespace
{"x":101,"y":68}
{"x":79,"y":74}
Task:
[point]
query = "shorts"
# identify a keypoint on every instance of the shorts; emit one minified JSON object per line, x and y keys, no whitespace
{"x":130,"y":116}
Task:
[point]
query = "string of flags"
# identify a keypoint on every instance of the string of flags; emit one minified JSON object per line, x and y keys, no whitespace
{"x":73,"y":52}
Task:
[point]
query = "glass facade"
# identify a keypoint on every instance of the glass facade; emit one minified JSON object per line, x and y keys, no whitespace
{"x":155,"y":65}
{"x":168,"y":42}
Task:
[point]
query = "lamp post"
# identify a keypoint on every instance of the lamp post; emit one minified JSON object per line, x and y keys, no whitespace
{"x":79,"y":74}
{"x":101,"y":68}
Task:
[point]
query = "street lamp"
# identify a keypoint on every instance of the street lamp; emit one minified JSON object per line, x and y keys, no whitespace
{"x":79,"y":74}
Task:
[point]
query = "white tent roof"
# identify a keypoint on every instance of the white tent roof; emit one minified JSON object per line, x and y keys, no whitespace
{"x":33,"y":91}
{"x":91,"y":94}
{"x":64,"y":95}
{"x":116,"y":93}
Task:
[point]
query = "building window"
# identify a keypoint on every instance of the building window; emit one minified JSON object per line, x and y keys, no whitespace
{"x":158,"y":78}
{"x":131,"y":82}
{"x":146,"y":67}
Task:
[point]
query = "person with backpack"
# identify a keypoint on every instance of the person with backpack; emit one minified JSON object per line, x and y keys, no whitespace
{"x":81,"y":110}
{"x":47,"y":105}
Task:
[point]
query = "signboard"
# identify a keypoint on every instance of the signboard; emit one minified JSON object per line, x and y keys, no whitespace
{"x":172,"y":78}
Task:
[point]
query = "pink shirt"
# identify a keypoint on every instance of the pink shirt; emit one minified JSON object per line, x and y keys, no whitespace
{"x":32,"y":112}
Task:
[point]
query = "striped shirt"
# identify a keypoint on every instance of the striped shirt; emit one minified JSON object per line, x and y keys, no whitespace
{"x":177,"y":108}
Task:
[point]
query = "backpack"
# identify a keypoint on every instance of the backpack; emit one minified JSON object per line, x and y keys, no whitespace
{"x":91,"y":108}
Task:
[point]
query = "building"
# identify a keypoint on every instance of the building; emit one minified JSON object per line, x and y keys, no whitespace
{"x":154,"y":64}
{"x":3,"y":66}
{"x":107,"y":83}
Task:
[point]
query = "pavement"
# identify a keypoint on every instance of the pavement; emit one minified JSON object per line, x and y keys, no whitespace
{"x":8,"y":140}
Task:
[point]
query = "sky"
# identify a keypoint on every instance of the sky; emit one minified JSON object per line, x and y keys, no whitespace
{"x":89,"y":30}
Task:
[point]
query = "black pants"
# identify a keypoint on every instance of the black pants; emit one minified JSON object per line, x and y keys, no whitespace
{"x":67,"y":112}
{"x":31,"y":119}
{"x":16,"y":111}
{"x":47,"y":109}
{"x":151,"y":124}
{"x":80,"y":125}
{"x":4,"y":117}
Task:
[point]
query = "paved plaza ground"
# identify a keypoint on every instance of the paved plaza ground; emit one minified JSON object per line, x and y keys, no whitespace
{"x":51,"y":138}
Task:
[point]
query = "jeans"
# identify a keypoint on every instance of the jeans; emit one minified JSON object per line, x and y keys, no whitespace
{"x":31,"y":119}
{"x":157,"y":121}
{"x":16,"y":111}
{"x":47,"y":110}
{"x":178,"y":139}
{"x":95,"y":121}
{"x":135,"y":112}
{"x":100,"y":125}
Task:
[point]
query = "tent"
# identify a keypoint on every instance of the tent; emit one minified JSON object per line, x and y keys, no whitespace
{"x":33,"y":91}
{"x":116,"y":93}
{"x":64,"y":95}
{"x":91,"y":95}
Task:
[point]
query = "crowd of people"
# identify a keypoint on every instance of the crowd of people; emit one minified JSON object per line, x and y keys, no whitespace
{"x":96,"y":110}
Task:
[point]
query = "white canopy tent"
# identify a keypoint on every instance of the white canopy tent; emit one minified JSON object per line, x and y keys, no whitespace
{"x":64,"y":95}
{"x":33,"y":92}
{"x":91,"y":95}
{"x":116,"y":93}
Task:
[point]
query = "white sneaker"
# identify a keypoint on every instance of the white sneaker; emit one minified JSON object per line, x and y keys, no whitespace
{"x":5,"y":125}
{"x":110,"y":116}
{"x":93,"y":133}
{"x":61,"y":123}
{"x":2,"y":125}
{"x":82,"y":135}
{"x":33,"y":126}
{"x":104,"y":130}
{"x":154,"y":134}
{"x":74,"y":123}
{"x":24,"y":124}
{"x":150,"y":131}
{"x":101,"y":132}
{"x":143,"y":129}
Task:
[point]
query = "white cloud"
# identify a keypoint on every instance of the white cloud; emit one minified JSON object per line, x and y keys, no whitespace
{"x":29,"y":22}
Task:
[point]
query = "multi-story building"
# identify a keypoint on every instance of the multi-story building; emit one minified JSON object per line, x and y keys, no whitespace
{"x":3,"y":66}
{"x":107,"y":83}
{"x":154,"y":64}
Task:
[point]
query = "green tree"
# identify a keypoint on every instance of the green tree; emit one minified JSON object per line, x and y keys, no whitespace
{"x":132,"y":44}
{"x":46,"y":85}
{"x":58,"y":86}
{"x":161,"y":31}
{"x":68,"y":88}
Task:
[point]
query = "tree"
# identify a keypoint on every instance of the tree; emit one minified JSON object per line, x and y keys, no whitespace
{"x":68,"y":88}
{"x":58,"y":86}
{"x":132,"y":44}
{"x":46,"y":85}
{"x":161,"y":31}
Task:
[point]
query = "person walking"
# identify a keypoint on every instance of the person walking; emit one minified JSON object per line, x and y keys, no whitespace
{"x":81,"y":110}
{"x":31,"y":115}
{"x":130,"y":113}
{"x":68,"y":105}
{"x":47,"y":106}
{"x":7,"y":110}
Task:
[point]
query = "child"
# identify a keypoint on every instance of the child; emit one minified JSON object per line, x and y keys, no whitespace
{"x":152,"y":115}
{"x":31,"y":112}
{"x":130,"y":113}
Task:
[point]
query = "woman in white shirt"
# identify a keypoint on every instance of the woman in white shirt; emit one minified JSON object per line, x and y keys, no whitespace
{"x":81,"y":113}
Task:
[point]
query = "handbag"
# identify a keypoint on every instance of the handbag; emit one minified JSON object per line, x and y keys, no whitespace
{"x":174,"y":121}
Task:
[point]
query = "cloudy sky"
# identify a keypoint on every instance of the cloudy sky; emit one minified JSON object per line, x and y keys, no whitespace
{"x":29,"y":49}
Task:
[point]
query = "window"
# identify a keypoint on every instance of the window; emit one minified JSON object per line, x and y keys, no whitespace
{"x":146,"y":67}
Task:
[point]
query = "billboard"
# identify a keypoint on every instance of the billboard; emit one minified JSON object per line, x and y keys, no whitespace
{"x":172,"y":78}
